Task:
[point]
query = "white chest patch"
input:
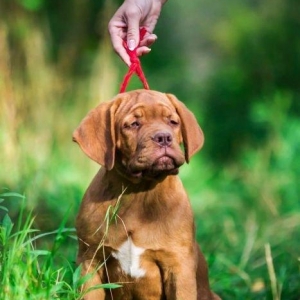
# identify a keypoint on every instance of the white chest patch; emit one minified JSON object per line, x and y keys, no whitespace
{"x":128,"y":256}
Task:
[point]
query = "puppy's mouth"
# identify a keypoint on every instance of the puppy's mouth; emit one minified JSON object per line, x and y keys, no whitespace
{"x":164,"y":165}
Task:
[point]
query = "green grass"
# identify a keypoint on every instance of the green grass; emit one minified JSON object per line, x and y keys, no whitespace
{"x":252,"y":254}
{"x":248,"y":215}
{"x":29,"y":270}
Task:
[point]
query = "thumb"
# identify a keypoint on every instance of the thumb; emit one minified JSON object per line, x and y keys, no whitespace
{"x":133,"y":33}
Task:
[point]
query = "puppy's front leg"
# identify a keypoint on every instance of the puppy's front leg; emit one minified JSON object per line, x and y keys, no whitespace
{"x":89,"y":267}
{"x":180,"y":281}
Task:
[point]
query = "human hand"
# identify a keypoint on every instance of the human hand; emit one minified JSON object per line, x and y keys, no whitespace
{"x":126,"y":23}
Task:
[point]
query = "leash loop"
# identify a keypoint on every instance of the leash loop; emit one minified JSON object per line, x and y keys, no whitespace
{"x":135,"y":66}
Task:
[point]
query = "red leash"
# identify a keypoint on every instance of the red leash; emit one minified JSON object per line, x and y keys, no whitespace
{"x":135,"y":66}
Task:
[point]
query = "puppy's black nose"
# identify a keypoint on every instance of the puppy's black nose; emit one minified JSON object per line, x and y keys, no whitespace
{"x":163,"y":139}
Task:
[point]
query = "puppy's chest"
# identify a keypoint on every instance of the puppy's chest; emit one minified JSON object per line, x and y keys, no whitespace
{"x":129,"y":257}
{"x":133,"y":244}
{"x":137,"y":232}
{"x":129,"y":234}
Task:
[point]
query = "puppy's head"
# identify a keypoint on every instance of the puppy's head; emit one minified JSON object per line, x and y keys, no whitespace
{"x":140,"y":133}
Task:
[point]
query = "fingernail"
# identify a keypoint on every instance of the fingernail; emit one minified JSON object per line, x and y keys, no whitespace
{"x":131,"y":45}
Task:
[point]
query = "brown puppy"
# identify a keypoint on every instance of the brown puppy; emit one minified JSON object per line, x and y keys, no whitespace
{"x":135,"y":224}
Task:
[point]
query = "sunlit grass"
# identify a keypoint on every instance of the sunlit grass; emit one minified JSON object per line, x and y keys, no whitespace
{"x":248,"y":215}
{"x":29,"y":270}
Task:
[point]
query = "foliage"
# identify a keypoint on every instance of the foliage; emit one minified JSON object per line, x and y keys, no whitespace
{"x":236,"y":66}
{"x":27,"y":272}
{"x":255,"y":203}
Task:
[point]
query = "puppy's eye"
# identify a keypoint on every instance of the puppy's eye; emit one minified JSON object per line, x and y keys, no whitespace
{"x":174,"y":123}
{"x":132,"y":125}
{"x":135,"y":124}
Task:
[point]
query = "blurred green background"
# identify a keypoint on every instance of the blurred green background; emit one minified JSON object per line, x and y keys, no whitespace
{"x":236,"y":65}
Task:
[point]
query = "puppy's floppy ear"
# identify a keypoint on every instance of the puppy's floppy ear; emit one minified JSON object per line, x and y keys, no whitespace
{"x":96,"y":134}
{"x":192,"y":134}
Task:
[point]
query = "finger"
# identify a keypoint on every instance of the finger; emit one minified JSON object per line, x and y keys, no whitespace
{"x":123,"y":54}
{"x":148,"y":40}
{"x":117,"y":43}
{"x":117,"y":33}
{"x":142,"y":50}
{"x":133,"y":31}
